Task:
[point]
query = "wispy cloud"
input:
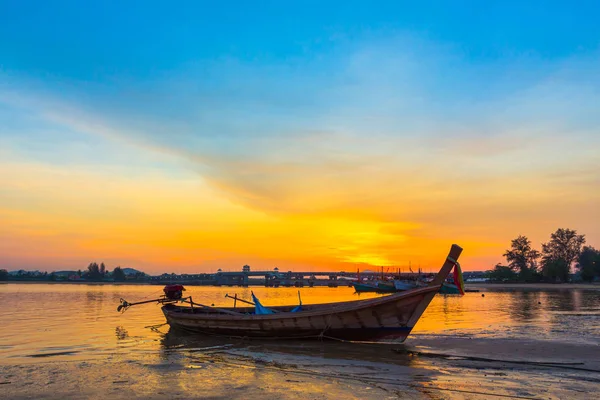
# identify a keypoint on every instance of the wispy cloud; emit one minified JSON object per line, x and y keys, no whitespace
{"x":400,"y":137}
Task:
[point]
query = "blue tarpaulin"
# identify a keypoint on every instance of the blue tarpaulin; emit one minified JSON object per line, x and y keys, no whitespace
{"x":259,"y":309}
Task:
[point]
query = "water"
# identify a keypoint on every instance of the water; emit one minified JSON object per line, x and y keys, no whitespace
{"x":67,"y":327}
{"x":75,"y":318}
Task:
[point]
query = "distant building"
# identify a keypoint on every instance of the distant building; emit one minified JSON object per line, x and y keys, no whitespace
{"x":246,"y":268}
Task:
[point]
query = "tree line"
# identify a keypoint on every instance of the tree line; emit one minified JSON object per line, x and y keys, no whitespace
{"x":553,"y":263}
{"x":94,"y":272}
{"x":97,"y":272}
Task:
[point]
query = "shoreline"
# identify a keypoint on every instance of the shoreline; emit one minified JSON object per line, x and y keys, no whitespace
{"x":473,"y":285}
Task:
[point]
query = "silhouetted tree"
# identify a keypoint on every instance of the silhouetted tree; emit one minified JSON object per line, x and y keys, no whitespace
{"x":3,"y":275}
{"x":93,"y":271}
{"x":560,"y":252}
{"x":502,"y":273}
{"x":522,"y":258}
{"x":102,"y":269}
{"x":118,"y":274}
{"x":588,"y":263}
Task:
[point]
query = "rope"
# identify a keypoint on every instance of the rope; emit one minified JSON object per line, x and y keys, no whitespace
{"x":452,"y":260}
{"x":145,"y":297}
{"x":322,"y":334}
{"x":154,"y":328}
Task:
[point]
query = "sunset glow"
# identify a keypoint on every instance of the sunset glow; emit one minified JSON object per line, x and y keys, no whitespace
{"x":357,"y":142}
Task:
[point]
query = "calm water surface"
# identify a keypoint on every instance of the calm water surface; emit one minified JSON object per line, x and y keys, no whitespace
{"x":69,"y":321}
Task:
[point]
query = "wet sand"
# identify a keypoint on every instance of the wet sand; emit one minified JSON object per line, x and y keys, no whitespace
{"x":539,"y":344}
{"x":423,"y":368}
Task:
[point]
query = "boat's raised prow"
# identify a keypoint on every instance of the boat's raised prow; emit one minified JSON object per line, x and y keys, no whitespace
{"x":388,"y":318}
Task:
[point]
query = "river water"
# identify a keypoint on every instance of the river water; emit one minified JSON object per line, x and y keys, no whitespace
{"x":57,"y":337}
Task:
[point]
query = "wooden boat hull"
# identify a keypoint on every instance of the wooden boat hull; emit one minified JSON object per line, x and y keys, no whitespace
{"x":388,"y":318}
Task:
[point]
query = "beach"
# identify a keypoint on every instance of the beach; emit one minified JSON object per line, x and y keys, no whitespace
{"x":423,"y":368}
{"x":517,"y":344}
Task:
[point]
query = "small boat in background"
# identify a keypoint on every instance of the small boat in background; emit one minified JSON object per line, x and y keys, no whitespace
{"x":362,"y":287}
{"x":384,"y":286}
{"x":449,"y":288}
{"x":400,"y":286}
{"x":382,"y":319}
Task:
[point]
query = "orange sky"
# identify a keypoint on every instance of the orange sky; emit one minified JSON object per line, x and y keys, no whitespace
{"x":59,"y":218}
{"x":381,"y":148}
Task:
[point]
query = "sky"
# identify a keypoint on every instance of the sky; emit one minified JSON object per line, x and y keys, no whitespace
{"x":304,"y":135}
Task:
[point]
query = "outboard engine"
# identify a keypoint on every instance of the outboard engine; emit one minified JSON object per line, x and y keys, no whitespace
{"x":174,"y":292}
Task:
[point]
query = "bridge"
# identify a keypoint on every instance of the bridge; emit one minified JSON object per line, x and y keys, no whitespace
{"x":275,"y":278}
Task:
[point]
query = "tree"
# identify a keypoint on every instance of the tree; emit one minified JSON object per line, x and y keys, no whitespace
{"x":560,"y":252}
{"x":102,"y":269}
{"x":3,"y":275}
{"x":502,"y":273}
{"x":522,"y":258}
{"x":93,"y":271}
{"x":118,"y":274}
{"x":588,"y":263}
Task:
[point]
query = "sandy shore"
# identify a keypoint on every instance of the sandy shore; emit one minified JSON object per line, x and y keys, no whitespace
{"x":425,"y":367}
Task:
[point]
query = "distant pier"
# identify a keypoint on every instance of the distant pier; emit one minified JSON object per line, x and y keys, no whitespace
{"x":275,"y":278}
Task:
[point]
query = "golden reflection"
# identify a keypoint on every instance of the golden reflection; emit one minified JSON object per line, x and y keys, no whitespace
{"x":75,"y":328}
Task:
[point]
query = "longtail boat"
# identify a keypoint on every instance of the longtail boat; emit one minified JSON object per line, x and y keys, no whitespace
{"x":383,"y":287}
{"x":399,"y":286}
{"x":383,"y":319}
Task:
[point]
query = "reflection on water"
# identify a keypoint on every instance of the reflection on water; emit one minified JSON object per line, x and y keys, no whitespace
{"x":178,"y":341}
{"x":47,"y":319}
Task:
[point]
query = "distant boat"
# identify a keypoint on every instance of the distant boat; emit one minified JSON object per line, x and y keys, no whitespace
{"x":383,"y":286}
{"x":384,"y":318}
{"x":449,"y":288}
{"x":399,"y":286}
{"x":361,"y":287}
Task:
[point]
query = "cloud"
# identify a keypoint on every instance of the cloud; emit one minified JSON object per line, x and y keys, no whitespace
{"x":398,"y":131}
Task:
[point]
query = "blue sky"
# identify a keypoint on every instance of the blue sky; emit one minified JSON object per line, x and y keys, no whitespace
{"x":298,"y":108}
{"x":141,"y":38}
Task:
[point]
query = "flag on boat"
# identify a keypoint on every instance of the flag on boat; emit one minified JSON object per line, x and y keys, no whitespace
{"x":458,"y":279}
{"x":259,"y":309}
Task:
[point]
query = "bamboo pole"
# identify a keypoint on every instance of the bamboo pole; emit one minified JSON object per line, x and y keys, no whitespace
{"x":221,"y":310}
{"x":238,"y":299}
{"x":248,"y":302}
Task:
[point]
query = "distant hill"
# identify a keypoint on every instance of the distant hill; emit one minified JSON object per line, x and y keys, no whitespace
{"x":131,"y":271}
